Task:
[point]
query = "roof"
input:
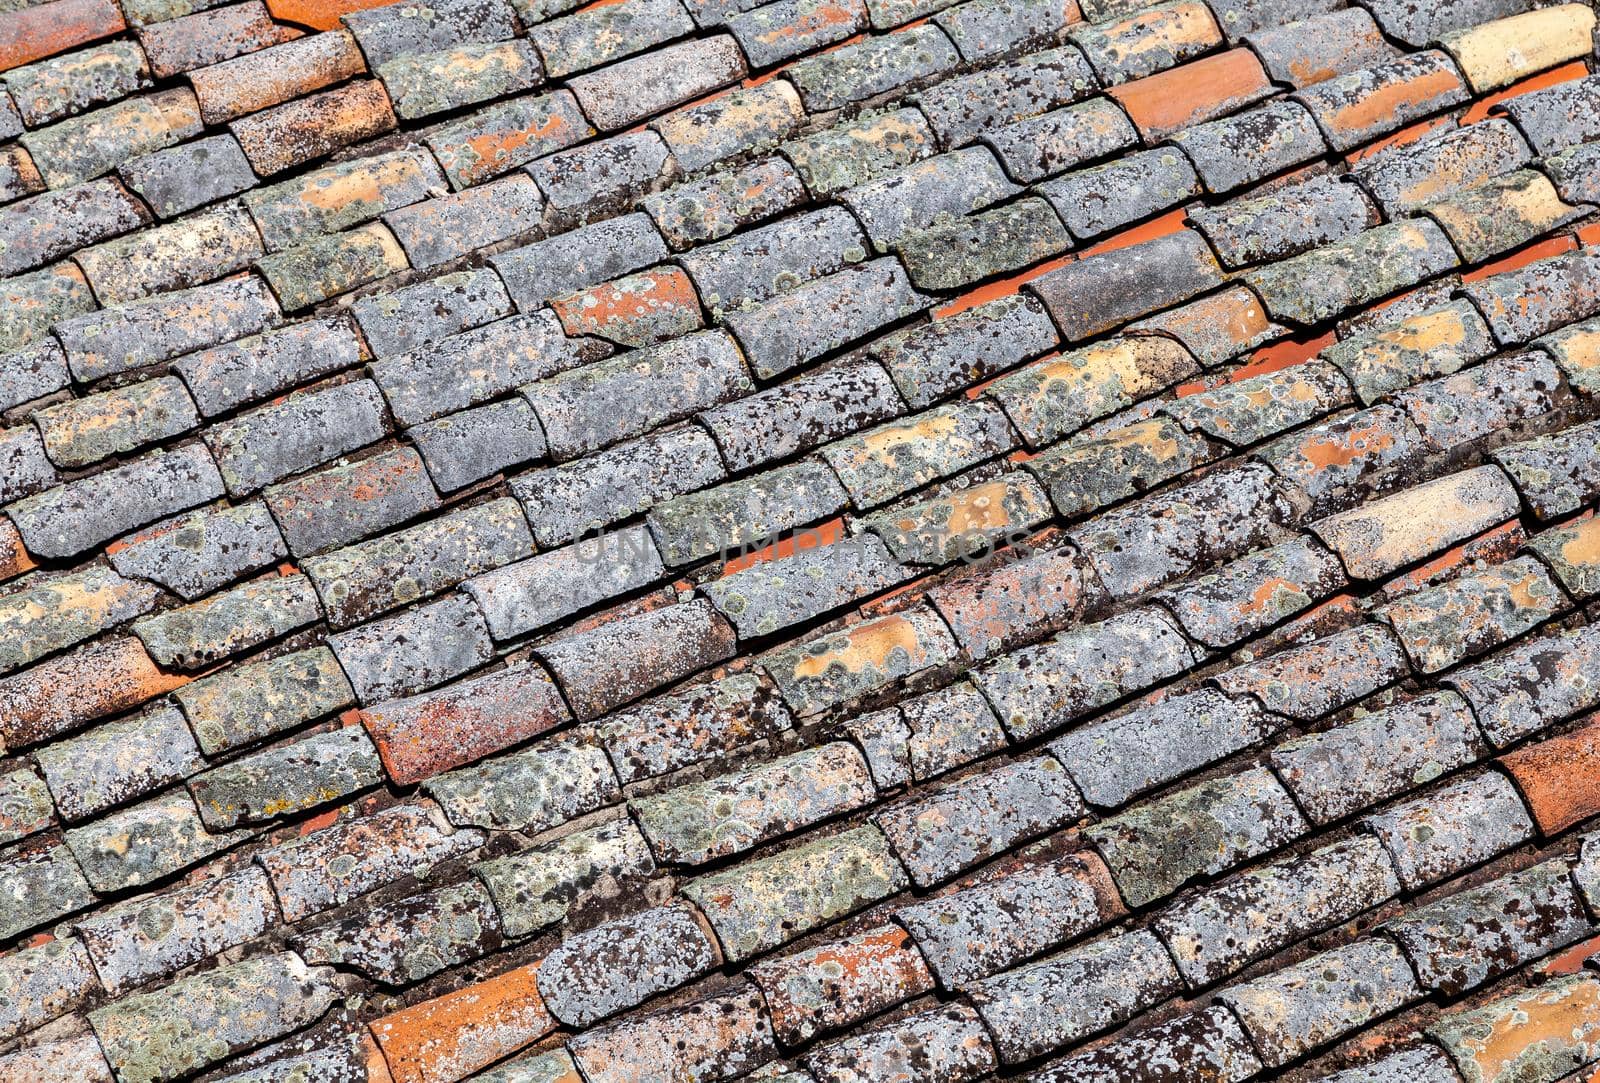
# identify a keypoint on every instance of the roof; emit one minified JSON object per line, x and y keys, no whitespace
{"x":812,"y":541}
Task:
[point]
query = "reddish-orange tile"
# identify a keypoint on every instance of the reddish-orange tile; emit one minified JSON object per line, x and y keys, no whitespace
{"x":14,"y":558}
{"x":319,"y":14}
{"x":1560,"y":777}
{"x":1566,"y":73}
{"x":1004,"y":287}
{"x":1171,"y":222}
{"x":1404,"y":137}
{"x":36,"y":32}
{"x":810,"y":538}
{"x":1553,"y":246}
{"x":1285,"y":353}
{"x":1170,"y":101}
{"x":1492,"y":547}
{"x":450,"y":1037}
{"x":104,"y":677}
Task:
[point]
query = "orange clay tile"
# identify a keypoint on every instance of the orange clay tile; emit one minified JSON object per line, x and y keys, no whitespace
{"x":1491,"y":547}
{"x":1411,"y":133}
{"x":609,"y":309}
{"x":1170,"y":101}
{"x":258,"y":80}
{"x":1590,"y":235}
{"x":105,"y":677}
{"x":1004,"y":287}
{"x":1560,"y":777}
{"x":1566,"y":73}
{"x":1171,"y":222}
{"x":319,"y":14}
{"x":1554,"y":246}
{"x":814,"y":537}
{"x":1283,"y":354}
{"x":452,"y":1036}
{"x":14,"y":558}
{"x":37,"y":32}
{"x":1499,"y":53}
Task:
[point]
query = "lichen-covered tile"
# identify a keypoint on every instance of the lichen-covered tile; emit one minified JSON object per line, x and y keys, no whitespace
{"x":1090,"y":471}
{"x":998,"y":922}
{"x":223,"y":377}
{"x":1308,"y":681}
{"x":146,"y":842}
{"x":840,"y":982}
{"x":555,"y":1066}
{"x":77,"y":1058}
{"x":42,"y":983}
{"x":464,"y":1030}
{"x":334,"y":864}
{"x":895,"y":207}
{"x":321,"y":267}
{"x":1407,"y":177}
{"x":571,"y":261}
{"x":1307,"y":51}
{"x":48,"y":612}
{"x":589,"y":407}
{"x":33,"y":372}
{"x":777,"y":31}
{"x":1463,"y":940}
{"x":1204,"y":522}
{"x":696,"y":823}
{"x":1418,"y":25}
{"x":341,"y":504}
{"x":1015,"y":598}
{"x":1218,"y":327}
{"x":1454,"y":412}
{"x":34,"y":302}
{"x":1057,"y":395}
{"x":764,"y":262}
{"x":761,"y":904}
{"x":963,"y":108}
{"x":1451,"y":827}
{"x":564,"y":502}
{"x":594,"y":36}
{"x":40,"y":884}
{"x":88,"y":146}
{"x":852,"y":154}
{"x":1150,"y":41}
{"x":25,"y":469}
{"x":1576,"y":174}
{"x":798,"y":415}
{"x":244,"y":703}
{"x":501,"y":137}
{"x":1250,"y":410}
{"x":1556,"y":117}
{"x":108,"y":765}
{"x":85,"y":430}
{"x":989,"y":29}
{"x":627,"y":92}
{"x":298,"y":131}
{"x":1218,"y":930}
{"x":947,"y":1044}
{"x":873,"y":66}
{"x":25,"y":805}
{"x":743,"y":514}
{"x":208,"y":1017}
{"x":296,"y":433}
{"x":1318,"y":285}
{"x":155,"y":329}
{"x":1102,"y":198}
{"x":931,"y":360}
{"x":1532,"y":685}
{"x":1066,"y":998}
{"x":881,"y":464}
{"x":462,"y":75}
{"x":471,"y":445}
{"x":624,"y":962}
{"x":1420,"y":1063}
{"x":183,"y":38}
{"x":591,"y":179}
{"x":948,"y":728}
{"x":1164,"y":104}
{"x":1382,"y":536}
{"x":442,"y":228}
{"x":1435,"y":342}
{"x":287,"y":779}
{"x":1362,"y":106}
{"x":709,"y":720}
{"x":1116,"y":760}
{"x":158,"y":935}
{"x":44,"y":227}
{"x":1338,"y":463}
{"x":773,"y":595}
{"x":1501,"y":213}
{"x":268,"y":77}
{"x":744,"y":120}
{"x":1573,"y":554}
{"x":1096,"y":293}
{"x":540,"y":787}
{"x":414,"y":650}
{"x":374,"y":577}
{"x":619,"y":661}
{"x":1155,"y":848}
{"x":1292,"y":219}
{"x":859,"y":660}
{"x":1495,"y":54}
{"x":108,"y":676}
{"x":1447,"y":623}
{"x":1538,"y":1032}
{"x":1205,"y":1043}
{"x":1311,"y":1003}
{"x":938,"y":834}
{"x":713,"y":207}
{"x":1041,"y":688}
{"x":402,"y":942}
{"x":952,"y":255}
{"x":538,"y":886}
{"x":431,"y":311}
{"x":230,"y":622}
{"x":1240,"y":150}
{"x":539,"y":591}
{"x":966,"y":524}
{"x":717,"y":1037}
{"x":388,"y":32}
{"x":1539,"y":297}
